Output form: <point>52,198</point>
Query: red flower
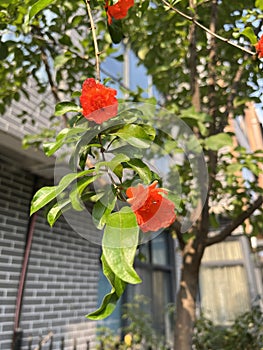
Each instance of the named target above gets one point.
<point>94,99</point>
<point>259,47</point>
<point>118,10</point>
<point>152,210</point>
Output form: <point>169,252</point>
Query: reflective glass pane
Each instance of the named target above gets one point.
<point>160,252</point>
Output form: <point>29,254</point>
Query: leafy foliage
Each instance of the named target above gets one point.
<point>246,333</point>
<point>203,81</point>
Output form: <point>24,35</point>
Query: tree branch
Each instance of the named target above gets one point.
<point>52,84</point>
<point>233,90</point>
<point>192,19</point>
<point>195,89</point>
<point>225,232</point>
<point>177,227</point>
<point>95,41</point>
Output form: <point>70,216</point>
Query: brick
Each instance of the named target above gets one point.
<point>60,263</point>
<point>7,327</point>
<point>5,345</point>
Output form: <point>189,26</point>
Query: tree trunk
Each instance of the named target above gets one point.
<point>186,297</point>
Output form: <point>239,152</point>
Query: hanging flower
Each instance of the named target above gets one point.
<point>119,10</point>
<point>152,210</point>
<point>98,102</point>
<point>259,47</point>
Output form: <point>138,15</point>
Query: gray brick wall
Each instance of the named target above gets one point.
<point>61,284</point>
<point>12,125</point>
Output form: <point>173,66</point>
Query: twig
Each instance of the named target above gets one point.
<point>193,20</point>
<point>235,223</point>
<point>95,41</point>
<point>53,86</point>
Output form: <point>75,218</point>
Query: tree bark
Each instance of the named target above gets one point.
<point>186,297</point>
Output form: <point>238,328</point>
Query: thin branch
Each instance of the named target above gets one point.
<point>177,227</point>
<point>192,19</point>
<point>233,90</point>
<point>225,232</point>
<point>95,41</point>
<point>195,88</point>
<point>52,84</point>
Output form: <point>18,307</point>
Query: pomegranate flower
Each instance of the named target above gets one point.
<point>94,99</point>
<point>152,210</point>
<point>259,47</point>
<point>119,10</point>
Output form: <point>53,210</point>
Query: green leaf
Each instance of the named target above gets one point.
<point>114,163</point>
<point>76,192</point>
<point>60,60</point>
<point>110,300</point>
<point>103,207</point>
<point>136,135</point>
<point>259,4</point>
<point>249,33</point>
<point>115,30</point>
<point>3,50</point>
<point>118,171</point>
<point>129,151</point>
<point>233,168</point>
<point>55,212</point>
<point>65,107</point>
<point>39,6</point>
<point>141,169</point>
<point>119,244</point>
<point>215,142</point>
<point>64,136</point>
<point>48,193</point>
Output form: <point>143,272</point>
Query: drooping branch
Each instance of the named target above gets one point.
<point>52,84</point>
<point>225,232</point>
<point>194,84</point>
<point>193,20</point>
<point>36,31</point>
<point>54,88</point>
<point>95,41</point>
<point>233,90</point>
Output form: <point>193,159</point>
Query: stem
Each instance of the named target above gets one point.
<point>192,19</point>
<point>195,90</point>
<point>225,232</point>
<point>95,41</point>
<point>37,33</point>
<point>104,159</point>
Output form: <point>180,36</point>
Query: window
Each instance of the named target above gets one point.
<point>224,281</point>
<point>155,265</point>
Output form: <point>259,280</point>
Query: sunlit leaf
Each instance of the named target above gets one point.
<point>110,300</point>
<point>218,141</point>
<point>48,193</point>
<point>141,169</point>
<point>103,207</point>
<point>55,212</point>
<point>63,137</point>
<point>65,107</point>
<point>249,33</point>
<point>120,242</point>
<point>76,192</point>
<point>136,135</point>
<point>39,6</point>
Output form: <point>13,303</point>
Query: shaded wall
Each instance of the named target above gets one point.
<point>61,282</point>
